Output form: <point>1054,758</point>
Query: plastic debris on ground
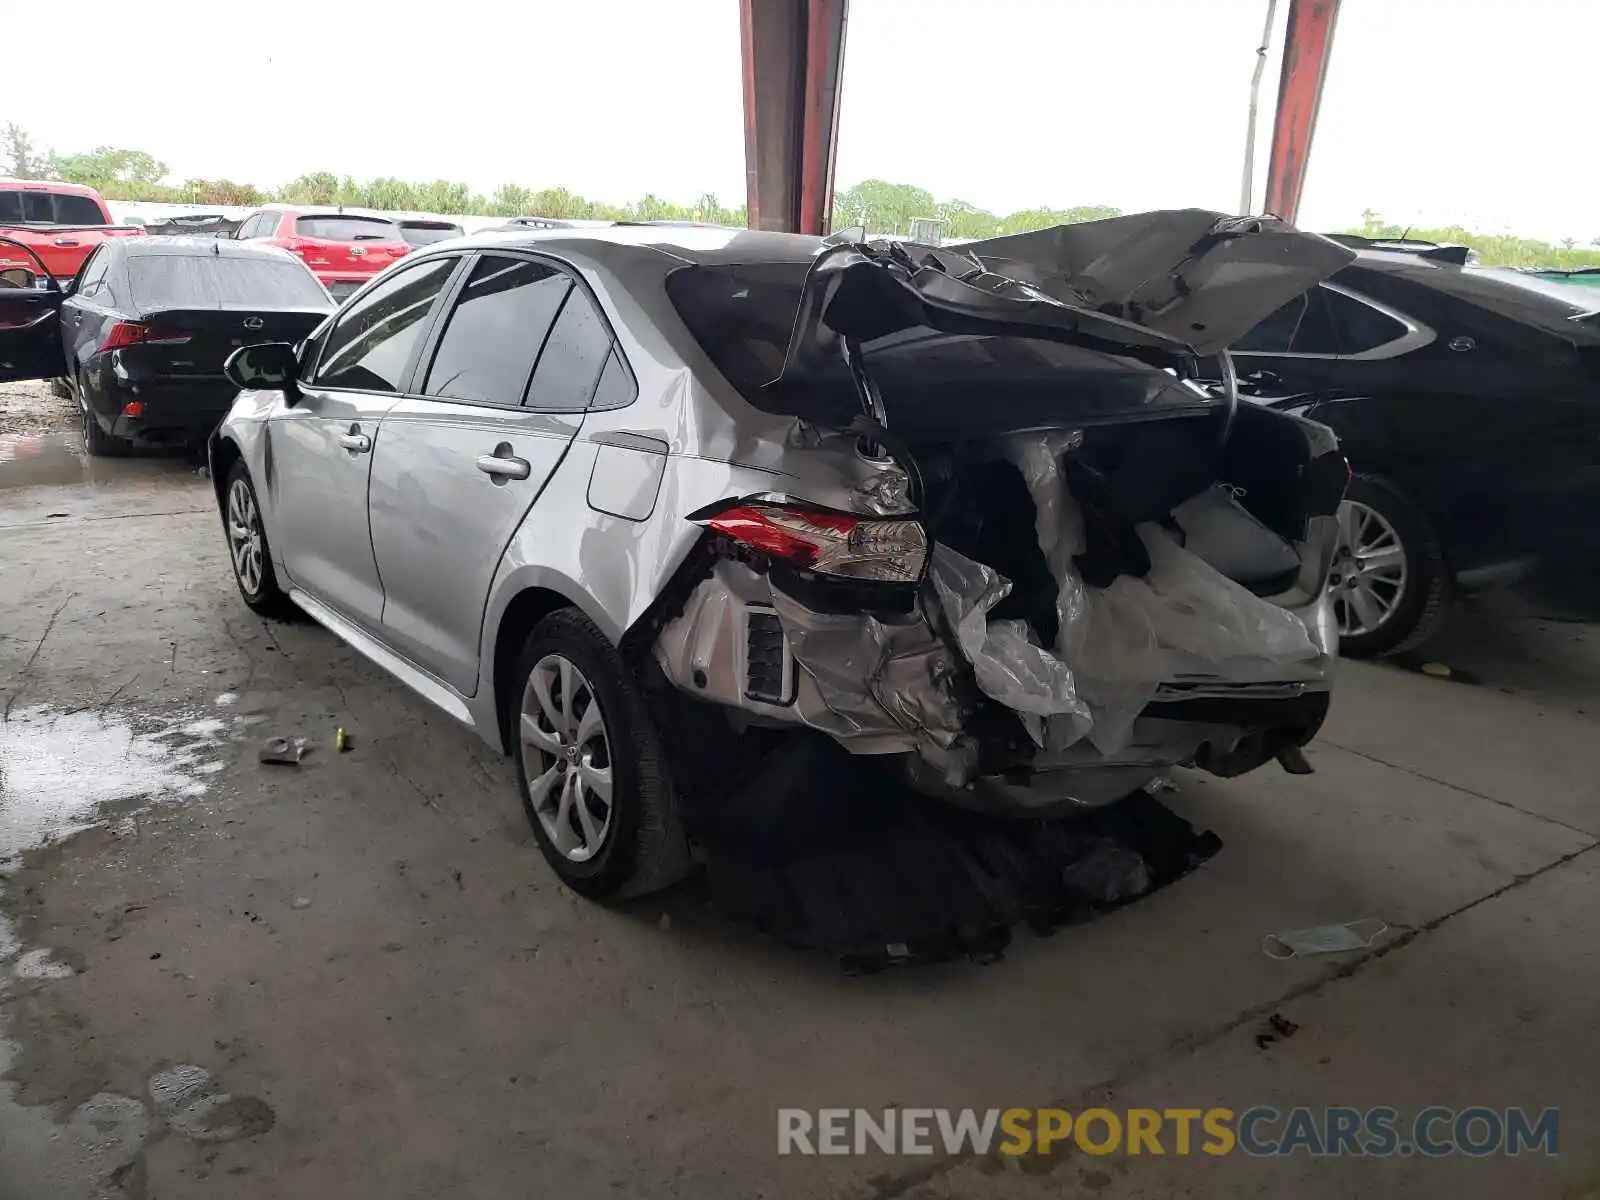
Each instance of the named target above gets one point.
<point>286,750</point>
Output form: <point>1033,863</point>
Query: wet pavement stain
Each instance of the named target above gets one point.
<point>58,768</point>
<point>193,1106</point>
<point>32,459</point>
<point>61,773</point>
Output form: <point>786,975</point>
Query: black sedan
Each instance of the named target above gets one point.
<point>141,332</point>
<point>1467,400</point>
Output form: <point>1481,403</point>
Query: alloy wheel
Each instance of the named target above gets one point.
<point>566,755</point>
<point>244,536</point>
<point>1368,578</point>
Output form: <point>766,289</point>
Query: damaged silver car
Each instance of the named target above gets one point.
<point>639,505</point>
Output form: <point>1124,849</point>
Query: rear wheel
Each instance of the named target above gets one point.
<point>591,767</point>
<point>95,439</point>
<point>1389,583</point>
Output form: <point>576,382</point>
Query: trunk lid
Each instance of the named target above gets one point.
<point>196,341</point>
<point>1080,323</point>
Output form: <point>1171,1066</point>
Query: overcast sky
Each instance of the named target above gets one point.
<point>1475,111</point>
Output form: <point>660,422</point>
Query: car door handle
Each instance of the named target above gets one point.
<point>504,467</point>
<point>360,443</point>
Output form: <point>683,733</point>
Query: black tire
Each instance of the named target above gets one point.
<point>96,440</point>
<point>642,847</point>
<point>1424,602</point>
<point>265,598</point>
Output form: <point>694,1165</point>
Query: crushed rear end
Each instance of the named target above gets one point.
<point>1026,550</point>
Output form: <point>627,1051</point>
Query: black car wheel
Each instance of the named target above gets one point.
<point>591,767</point>
<point>247,547</point>
<point>1389,583</point>
<point>96,440</point>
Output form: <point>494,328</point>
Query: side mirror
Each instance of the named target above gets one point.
<point>266,367</point>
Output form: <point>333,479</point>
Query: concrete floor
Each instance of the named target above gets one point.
<point>371,961</point>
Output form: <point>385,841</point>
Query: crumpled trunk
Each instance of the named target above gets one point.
<point>1075,575</point>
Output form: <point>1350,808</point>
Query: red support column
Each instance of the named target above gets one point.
<point>792,54</point>
<point>1306,48</point>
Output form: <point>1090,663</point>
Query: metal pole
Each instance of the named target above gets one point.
<point>1255,93</point>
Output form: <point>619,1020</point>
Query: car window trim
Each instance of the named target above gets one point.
<point>579,283</point>
<point>408,376</point>
<point>1416,335</point>
<point>436,332</point>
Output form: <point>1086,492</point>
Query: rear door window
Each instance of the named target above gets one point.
<point>372,344</point>
<point>94,274</point>
<point>1360,327</point>
<point>1302,326</point>
<point>78,210</point>
<point>344,228</point>
<point>495,331</point>
<point>208,280</point>
<point>574,353</point>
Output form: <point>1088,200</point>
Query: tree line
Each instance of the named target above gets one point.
<point>880,206</point>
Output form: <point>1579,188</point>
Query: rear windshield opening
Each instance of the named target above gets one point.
<point>48,208</point>
<point>209,281</point>
<point>741,315</point>
<point>342,228</point>
<point>933,384</point>
<point>425,233</point>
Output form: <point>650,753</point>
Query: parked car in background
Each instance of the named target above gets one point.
<point>344,250</point>
<point>419,232</point>
<point>642,506</point>
<point>62,223</point>
<point>512,224</point>
<point>193,225</point>
<point>1467,399</point>
<point>142,332</point>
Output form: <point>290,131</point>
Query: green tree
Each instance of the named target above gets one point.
<point>394,195</point>
<point>559,204</point>
<point>881,206</point>
<point>963,220</point>
<point>21,161</point>
<point>319,187</point>
<point>442,196</point>
<point>106,165</point>
<point>510,200</point>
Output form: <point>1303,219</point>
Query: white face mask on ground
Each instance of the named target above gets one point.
<point>1324,939</point>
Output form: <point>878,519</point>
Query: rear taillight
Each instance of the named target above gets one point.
<point>822,540</point>
<point>131,333</point>
<point>311,252</point>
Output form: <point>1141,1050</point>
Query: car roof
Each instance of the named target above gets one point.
<point>700,245</point>
<point>8,184</point>
<point>180,245</point>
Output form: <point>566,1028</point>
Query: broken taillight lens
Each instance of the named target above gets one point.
<point>830,543</point>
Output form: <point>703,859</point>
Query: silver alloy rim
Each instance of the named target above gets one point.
<point>1369,573</point>
<point>566,755</point>
<point>244,536</point>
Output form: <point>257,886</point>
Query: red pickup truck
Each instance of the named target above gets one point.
<point>62,223</point>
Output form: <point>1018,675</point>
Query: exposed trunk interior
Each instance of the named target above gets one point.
<point>1122,476</point>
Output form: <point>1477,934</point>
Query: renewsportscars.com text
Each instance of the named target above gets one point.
<point>1261,1131</point>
